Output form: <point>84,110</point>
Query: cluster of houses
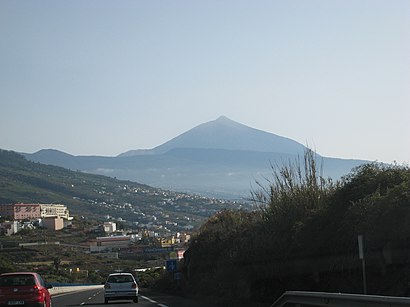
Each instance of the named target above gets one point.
<point>116,245</point>
<point>18,216</point>
<point>127,246</point>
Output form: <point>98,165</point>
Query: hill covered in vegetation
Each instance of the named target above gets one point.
<point>97,196</point>
<point>306,237</point>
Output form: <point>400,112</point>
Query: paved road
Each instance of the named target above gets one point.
<point>96,298</point>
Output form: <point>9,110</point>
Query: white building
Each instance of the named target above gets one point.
<point>51,210</point>
<point>10,228</point>
<point>110,227</point>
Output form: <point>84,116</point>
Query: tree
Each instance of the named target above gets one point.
<point>293,198</point>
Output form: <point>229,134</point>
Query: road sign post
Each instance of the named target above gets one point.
<point>361,256</point>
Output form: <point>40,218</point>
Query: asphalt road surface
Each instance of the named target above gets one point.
<point>147,299</point>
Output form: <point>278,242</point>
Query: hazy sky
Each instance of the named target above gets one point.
<point>103,77</point>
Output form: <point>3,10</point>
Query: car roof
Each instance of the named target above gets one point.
<point>18,273</point>
<point>114,274</point>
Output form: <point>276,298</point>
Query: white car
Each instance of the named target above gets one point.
<point>121,286</point>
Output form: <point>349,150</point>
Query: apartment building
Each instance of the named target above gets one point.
<point>26,212</point>
<point>52,210</point>
<point>51,216</point>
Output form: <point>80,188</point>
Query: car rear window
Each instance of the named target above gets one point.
<point>17,280</point>
<point>120,279</point>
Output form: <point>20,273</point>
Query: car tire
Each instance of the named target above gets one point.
<point>136,300</point>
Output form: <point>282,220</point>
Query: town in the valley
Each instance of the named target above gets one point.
<point>110,241</point>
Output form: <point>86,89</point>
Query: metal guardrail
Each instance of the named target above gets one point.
<point>302,299</point>
<point>64,289</point>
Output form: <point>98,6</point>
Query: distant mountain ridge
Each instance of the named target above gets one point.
<point>220,158</point>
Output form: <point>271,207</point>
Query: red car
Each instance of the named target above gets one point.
<point>24,289</point>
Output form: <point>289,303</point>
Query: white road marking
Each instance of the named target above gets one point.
<point>90,298</point>
<point>148,299</point>
<point>152,301</point>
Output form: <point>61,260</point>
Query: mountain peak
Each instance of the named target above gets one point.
<point>223,118</point>
<point>224,133</point>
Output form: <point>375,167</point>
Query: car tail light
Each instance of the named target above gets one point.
<point>38,290</point>
<point>107,286</point>
<point>39,293</point>
<point>134,285</point>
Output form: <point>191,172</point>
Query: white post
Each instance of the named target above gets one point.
<point>361,256</point>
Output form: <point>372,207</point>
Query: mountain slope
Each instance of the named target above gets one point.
<point>221,158</point>
<point>99,196</point>
<point>29,182</point>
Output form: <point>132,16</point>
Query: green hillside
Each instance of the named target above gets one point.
<point>98,196</point>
